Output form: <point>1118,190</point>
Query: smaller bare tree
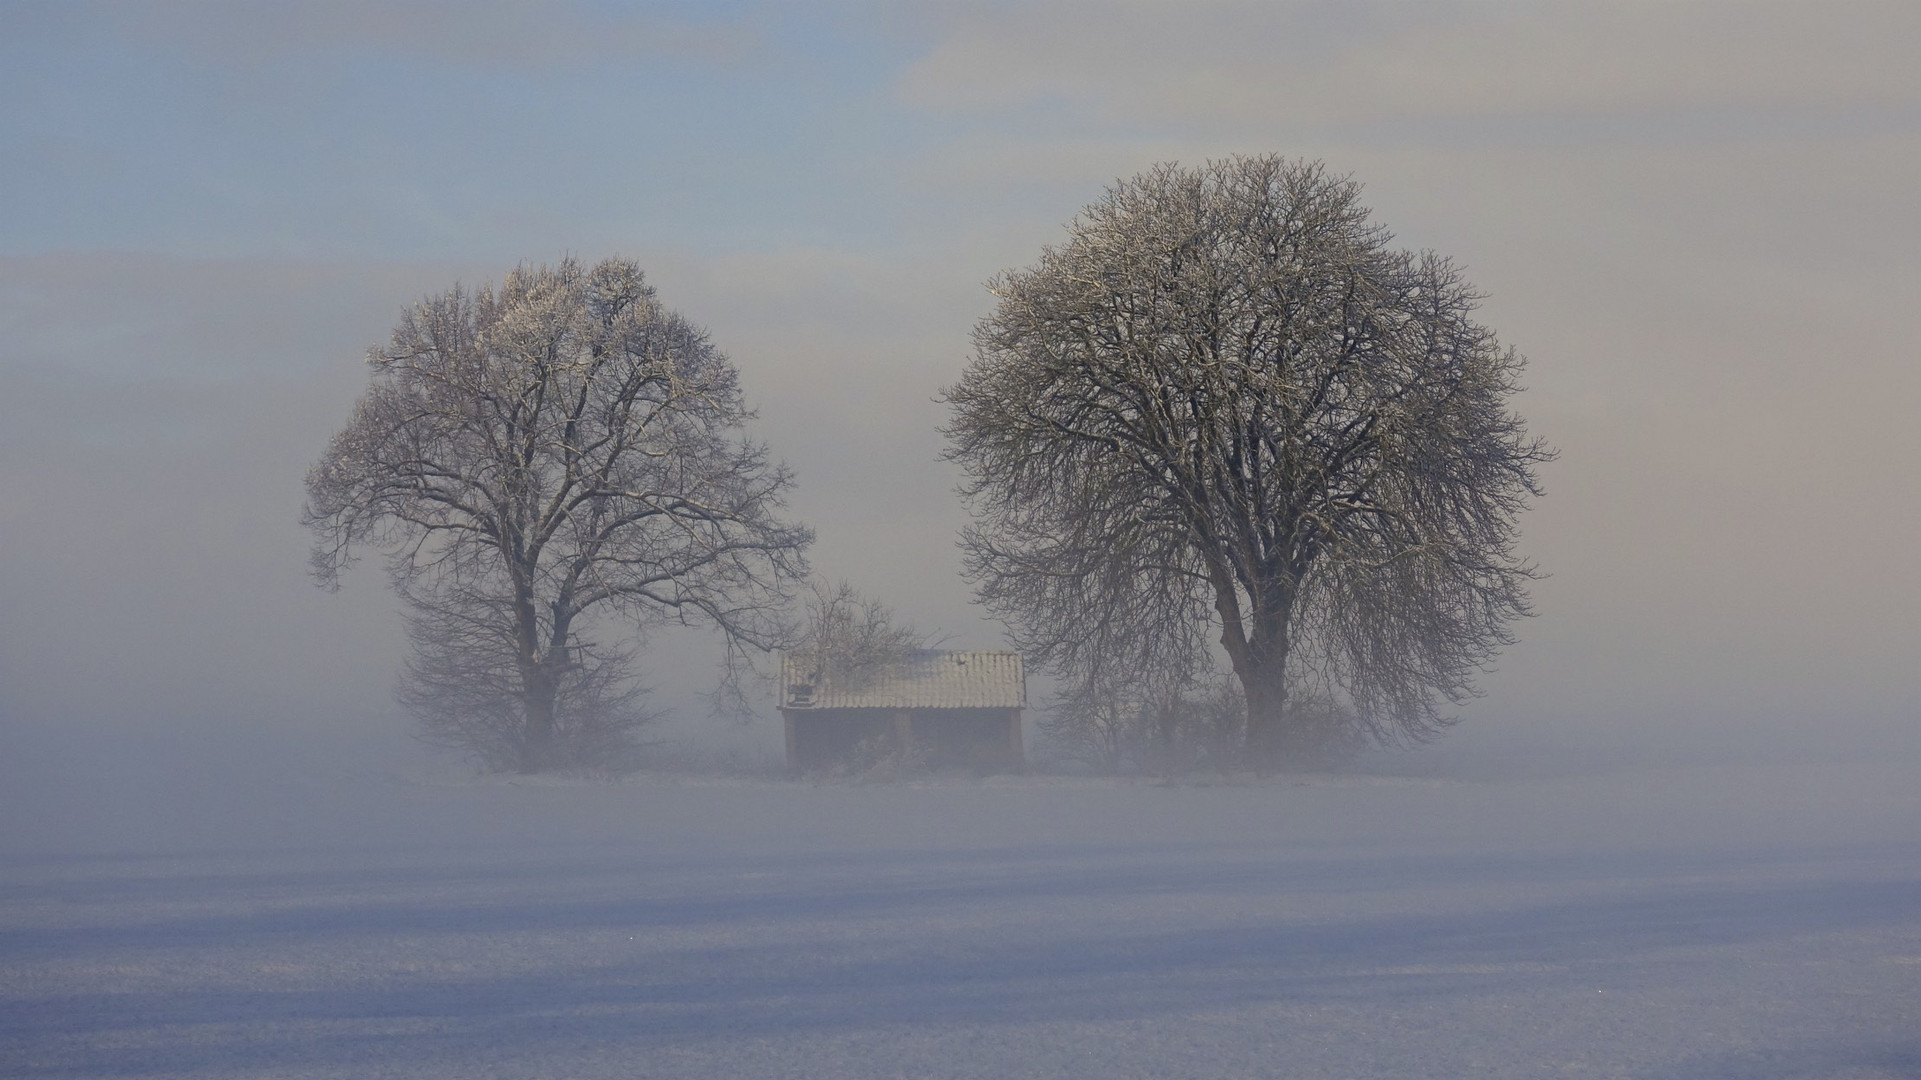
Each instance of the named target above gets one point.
<point>851,639</point>
<point>848,642</point>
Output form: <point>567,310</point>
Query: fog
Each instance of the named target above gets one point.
<point>1677,836</point>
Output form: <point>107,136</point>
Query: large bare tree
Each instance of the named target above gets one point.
<point>1227,401</point>
<point>549,467</point>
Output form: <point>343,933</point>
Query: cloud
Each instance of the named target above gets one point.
<point>1311,63</point>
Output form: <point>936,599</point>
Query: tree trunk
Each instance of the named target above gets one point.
<point>537,737</point>
<point>1260,663</point>
<point>537,690</point>
<point>1264,684</point>
<point>1166,716</point>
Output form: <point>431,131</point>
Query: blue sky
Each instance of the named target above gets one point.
<point>1696,218</point>
<point>352,131</point>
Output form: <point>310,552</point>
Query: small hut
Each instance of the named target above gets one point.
<point>940,710</point>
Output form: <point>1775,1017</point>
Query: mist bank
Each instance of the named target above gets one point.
<point>126,789</point>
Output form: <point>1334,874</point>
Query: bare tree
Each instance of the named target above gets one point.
<point>1225,401</point>
<point>543,466</point>
<point>848,639</point>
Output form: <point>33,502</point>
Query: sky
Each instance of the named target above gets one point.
<point>1696,219</point>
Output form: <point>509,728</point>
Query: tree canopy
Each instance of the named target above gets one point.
<point>1226,406</point>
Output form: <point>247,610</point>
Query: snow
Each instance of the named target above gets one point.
<point>1735,920</point>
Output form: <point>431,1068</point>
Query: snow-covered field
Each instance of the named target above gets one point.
<point>1752,921</point>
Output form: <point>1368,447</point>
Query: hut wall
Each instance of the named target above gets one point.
<point>975,740</point>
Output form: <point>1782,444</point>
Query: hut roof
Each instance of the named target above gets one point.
<point>928,679</point>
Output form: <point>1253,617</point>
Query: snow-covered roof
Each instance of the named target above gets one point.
<point>927,680</point>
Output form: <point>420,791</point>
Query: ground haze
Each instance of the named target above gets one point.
<point>1699,920</point>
